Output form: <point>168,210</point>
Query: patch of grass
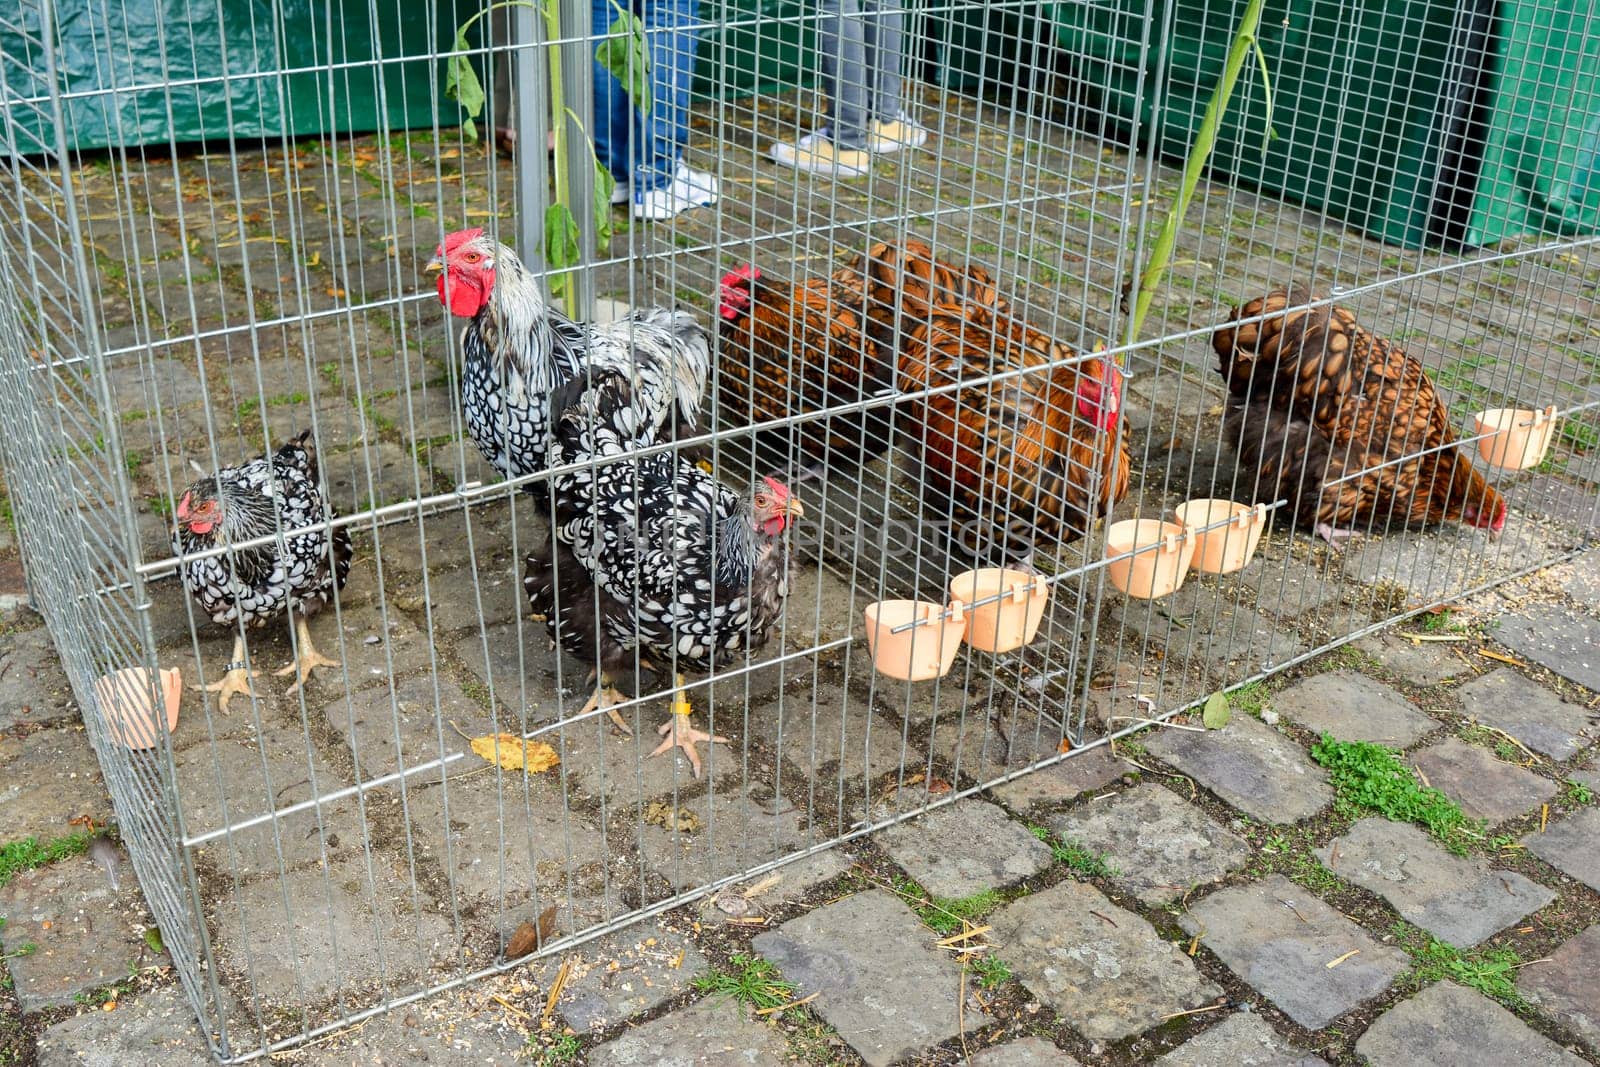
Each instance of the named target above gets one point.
<point>1251,698</point>
<point>1491,971</point>
<point>287,399</point>
<point>564,1049</point>
<point>329,372</point>
<point>1579,436</point>
<point>1439,622</point>
<point>990,971</point>
<point>1504,750</point>
<point>247,408</point>
<point>1370,778</point>
<point>1289,853</point>
<point>30,852</point>
<point>751,979</point>
<point>1078,859</point>
<point>946,915</point>
<point>1578,793</point>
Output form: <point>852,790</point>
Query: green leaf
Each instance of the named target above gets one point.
<point>1217,711</point>
<point>152,938</point>
<point>461,84</point>
<point>626,56</point>
<point>560,237</point>
<point>604,186</point>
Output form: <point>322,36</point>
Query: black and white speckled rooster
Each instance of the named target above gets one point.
<point>517,350</point>
<point>259,584</point>
<point>686,572</point>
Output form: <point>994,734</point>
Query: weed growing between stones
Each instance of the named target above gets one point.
<point>750,979</point>
<point>1369,778</point>
<point>1491,971</point>
<point>1077,858</point>
<point>30,852</point>
<point>990,971</point>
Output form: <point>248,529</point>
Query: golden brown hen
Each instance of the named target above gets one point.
<point>802,349</point>
<point>1029,460</point>
<point>1343,423</point>
<point>903,282</point>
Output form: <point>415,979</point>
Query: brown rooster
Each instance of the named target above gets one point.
<point>1343,423</point>
<point>904,282</point>
<point>1032,457</point>
<point>800,349</point>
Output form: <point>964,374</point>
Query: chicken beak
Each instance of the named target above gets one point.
<point>793,509</point>
<point>433,267</point>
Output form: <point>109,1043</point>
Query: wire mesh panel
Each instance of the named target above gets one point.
<point>928,345</point>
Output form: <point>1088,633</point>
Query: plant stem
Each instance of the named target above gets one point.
<point>558,112</point>
<point>1199,155</point>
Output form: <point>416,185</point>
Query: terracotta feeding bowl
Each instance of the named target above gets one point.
<point>1223,549</point>
<point>920,652</point>
<point>1518,437</point>
<point>1162,551</point>
<point>1001,625</point>
<point>129,700</point>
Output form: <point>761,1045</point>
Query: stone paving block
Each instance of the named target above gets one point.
<point>1431,565</point>
<point>1279,938</point>
<point>342,930</point>
<point>33,687</point>
<point>987,745</point>
<point>831,734</point>
<point>1527,711</point>
<point>1353,707</point>
<point>883,984</point>
<point>376,474</point>
<point>1580,578</point>
<point>387,730</point>
<point>1104,969</point>
<point>86,933</point>
<point>1243,1039</point>
<point>158,1027</point>
<point>146,385</point>
<point>1422,663</point>
<point>1023,1052</point>
<point>1456,898</point>
<point>603,762</point>
<point>429,1034</point>
<point>1208,623</point>
<point>239,778</point>
<point>1572,846</point>
<point>1564,640</point>
<point>522,669</point>
<point>503,843</point>
<point>794,881</point>
<point>714,1032</point>
<point>1251,766</point>
<point>454,606</point>
<point>923,702</point>
<point>627,973</point>
<point>962,848</point>
<point>1486,788</point>
<point>1094,769</point>
<point>1588,774</point>
<point>46,778</point>
<point>732,832</point>
<point>1159,844</point>
<point>1448,1024</point>
<point>1567,989</point>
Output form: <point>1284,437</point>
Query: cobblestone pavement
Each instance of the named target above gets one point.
<point>1184,898</point>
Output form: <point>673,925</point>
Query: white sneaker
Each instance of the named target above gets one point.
<point>816,153</point>
<point>893,136</point>
<point>621,193</point>
<point>689,189</point>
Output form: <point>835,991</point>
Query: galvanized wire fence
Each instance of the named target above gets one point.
<point>244,263</point>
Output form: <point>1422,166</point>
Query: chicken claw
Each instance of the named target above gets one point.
<point>679,732</point>
<point>605,695</point>
<point>307,658</point>
<point>1333,535</point>
<point>235,681</point>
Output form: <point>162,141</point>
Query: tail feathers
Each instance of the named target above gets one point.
<point>298,453</point>
<point>597,417</point>
<point>668,356</point>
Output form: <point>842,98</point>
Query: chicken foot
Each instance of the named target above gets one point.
<point>605,695</point>
<point>1333,534</point>
<point>236,680</point>
<point>306,657</point>
<point>679,732</point>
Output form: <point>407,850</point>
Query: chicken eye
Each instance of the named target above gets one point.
<point>472,257</point>
<point>762,500</point>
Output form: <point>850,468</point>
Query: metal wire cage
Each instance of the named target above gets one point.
<point>243,262</point>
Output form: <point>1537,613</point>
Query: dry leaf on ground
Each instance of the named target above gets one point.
<point>513,753</point>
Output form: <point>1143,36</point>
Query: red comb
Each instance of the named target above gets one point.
<point>779,490</point>
<point>734,297</point>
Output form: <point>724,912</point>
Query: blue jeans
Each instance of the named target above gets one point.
<point>646,149</point>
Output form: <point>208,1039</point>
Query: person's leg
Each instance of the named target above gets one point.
<point>663,184</point>
<point>839,147</point>
<point>890,127</point>
<point>613,114</point>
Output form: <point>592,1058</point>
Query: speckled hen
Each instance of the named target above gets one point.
<point>517,350</point>
<point>686,572</point>
<point>251,586</point>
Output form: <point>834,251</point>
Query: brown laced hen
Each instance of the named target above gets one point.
<point>1028,460</point>
<point>802,348</point>
<point>1343,423</point>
